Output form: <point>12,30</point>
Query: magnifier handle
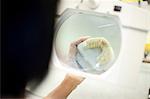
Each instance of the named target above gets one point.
<point>62,91</point>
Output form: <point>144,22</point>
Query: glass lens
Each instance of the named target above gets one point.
<point>87,42</point>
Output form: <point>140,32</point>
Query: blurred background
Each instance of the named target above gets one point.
<point>133,14</point>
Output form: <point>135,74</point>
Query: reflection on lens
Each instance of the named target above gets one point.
<point>94,55</point>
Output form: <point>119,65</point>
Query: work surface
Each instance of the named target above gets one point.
<point>97,88</point>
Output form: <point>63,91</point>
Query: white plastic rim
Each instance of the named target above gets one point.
<point>56,59</point>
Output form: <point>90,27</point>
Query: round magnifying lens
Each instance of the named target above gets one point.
<point>87,42</point>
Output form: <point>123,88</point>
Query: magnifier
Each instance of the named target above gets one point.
<point>95,38</point>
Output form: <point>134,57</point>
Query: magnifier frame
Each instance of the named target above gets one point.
<point>65,15</point>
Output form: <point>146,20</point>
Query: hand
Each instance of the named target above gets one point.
<point>73,46</point>
<point>62,91</point>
